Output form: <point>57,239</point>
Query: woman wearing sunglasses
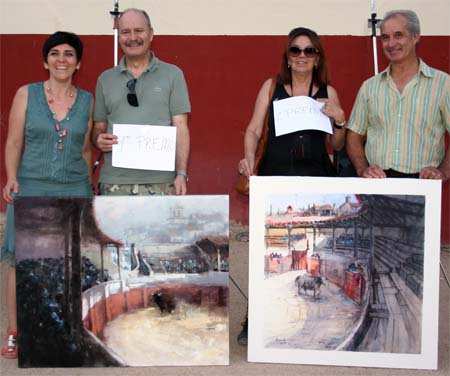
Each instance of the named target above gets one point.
<point>51,122</point>
<point>304,72</point>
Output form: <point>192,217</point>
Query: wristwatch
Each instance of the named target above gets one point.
<point>183,173</point>
<point>340,125</point>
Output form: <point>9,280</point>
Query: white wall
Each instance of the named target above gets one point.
<point>217,17</point>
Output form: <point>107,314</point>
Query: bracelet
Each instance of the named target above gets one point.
<point>183,173</point>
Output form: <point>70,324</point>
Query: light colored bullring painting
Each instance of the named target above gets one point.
<point>344,271</point>
<point>122,281</point>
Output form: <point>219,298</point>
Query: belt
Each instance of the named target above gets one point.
<point>397,174</point>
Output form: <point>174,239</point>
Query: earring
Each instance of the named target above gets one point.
<point>289,66</point>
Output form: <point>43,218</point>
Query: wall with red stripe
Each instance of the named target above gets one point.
<point>224,74</point>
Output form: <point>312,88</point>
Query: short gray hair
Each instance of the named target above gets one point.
<point>142,11</point>
<point>413,25</point>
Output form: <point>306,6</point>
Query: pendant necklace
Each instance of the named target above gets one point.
<point>52,101</point>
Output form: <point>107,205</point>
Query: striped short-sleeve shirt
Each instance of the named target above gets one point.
<point>405,131</point>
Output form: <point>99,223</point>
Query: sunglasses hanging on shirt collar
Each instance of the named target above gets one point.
<point>131,96</point>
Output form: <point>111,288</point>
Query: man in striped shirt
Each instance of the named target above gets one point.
<point>400,116</point>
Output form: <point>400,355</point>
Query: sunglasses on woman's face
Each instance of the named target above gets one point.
<point>131,96</point>
<point>295,51</point>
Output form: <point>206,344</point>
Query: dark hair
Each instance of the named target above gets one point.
<point>320,73</point>
<point>62,37</point>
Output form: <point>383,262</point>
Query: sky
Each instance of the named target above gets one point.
<point>302,200</point>
<point>116,214</point>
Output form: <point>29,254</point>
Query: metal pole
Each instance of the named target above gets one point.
<point>237,286</point>
<point>373,21</point>
<point>445,274</point>
<point>115,14</point>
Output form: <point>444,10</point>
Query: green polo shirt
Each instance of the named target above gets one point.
<point>405,131</point>
<point>162,93</point>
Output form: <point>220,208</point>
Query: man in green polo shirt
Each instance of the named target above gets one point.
<point>141,90</point>
<point>400,117</point>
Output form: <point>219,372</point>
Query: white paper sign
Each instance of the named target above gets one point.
<point>298,114</point>
<point>144,147</point>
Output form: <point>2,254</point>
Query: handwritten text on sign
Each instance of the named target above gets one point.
<point>299,113</point>
<point>144,147</point>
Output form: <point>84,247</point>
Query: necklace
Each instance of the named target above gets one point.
<point>65,101</point>
<point>61,134</point>
<point>52,97</point>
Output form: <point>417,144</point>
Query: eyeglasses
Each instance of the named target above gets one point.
<point>308,51</point>
<point>131,96</point>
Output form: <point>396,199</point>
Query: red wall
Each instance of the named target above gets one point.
<point>224,74</point>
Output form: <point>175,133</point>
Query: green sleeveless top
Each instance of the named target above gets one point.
<point>44,169</point>
<point>53,149</point>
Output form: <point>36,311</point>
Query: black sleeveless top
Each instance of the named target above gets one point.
<point>302,153</point>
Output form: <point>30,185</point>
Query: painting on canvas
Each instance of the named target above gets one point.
<point>122,281</point>
<point>344,265</point>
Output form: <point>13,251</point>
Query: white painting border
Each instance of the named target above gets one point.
<point>261,187</point>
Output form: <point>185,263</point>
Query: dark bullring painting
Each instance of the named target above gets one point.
<point>122,281</point>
